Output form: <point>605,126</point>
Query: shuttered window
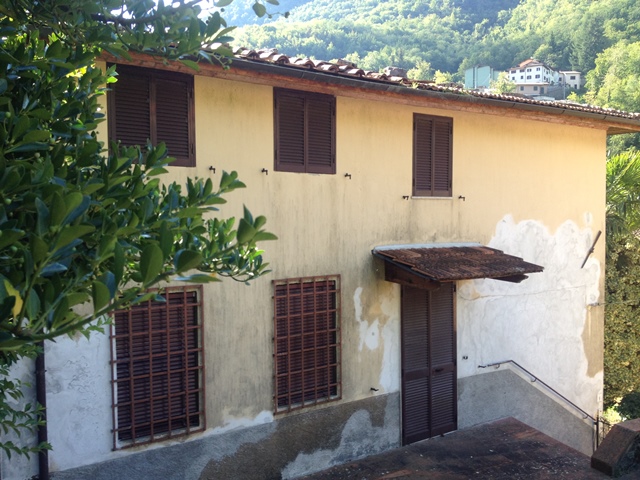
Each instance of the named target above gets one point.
<point>154,105</point>
<point>304,132</point>
<point>158,369</point>
<point>432,155</point>
<point>306,342</point>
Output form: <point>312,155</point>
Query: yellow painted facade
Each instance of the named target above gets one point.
<point>328,224</point>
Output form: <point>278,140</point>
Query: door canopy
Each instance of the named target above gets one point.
<point>426,266</point>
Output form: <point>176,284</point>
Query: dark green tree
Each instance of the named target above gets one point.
<point>622,320</point>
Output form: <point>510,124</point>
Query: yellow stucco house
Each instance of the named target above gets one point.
<point>426,235</point>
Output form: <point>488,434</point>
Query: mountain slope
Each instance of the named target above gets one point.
<point>449,35</point>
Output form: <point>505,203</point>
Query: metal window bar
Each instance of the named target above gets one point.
<point>156,348</point>
<point>307,342</point>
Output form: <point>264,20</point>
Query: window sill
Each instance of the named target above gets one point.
<point>413,197</point>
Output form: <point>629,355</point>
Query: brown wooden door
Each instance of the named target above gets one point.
<point>429,398</point>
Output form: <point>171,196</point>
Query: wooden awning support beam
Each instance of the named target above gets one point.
<point>395,274</point>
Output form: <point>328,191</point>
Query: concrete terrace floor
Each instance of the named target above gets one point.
<point>505,449</point>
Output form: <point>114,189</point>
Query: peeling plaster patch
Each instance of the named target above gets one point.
<point>359,439</point>
<point>231,424</point>
<point>390,371</point>
<point>369,334</point>
<point>540,322</point>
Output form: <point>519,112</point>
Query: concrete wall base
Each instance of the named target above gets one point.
<point>287,448</point>
<point>503,393</point>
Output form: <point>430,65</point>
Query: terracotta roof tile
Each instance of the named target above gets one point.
<point>445,263</point>
<point>344,68</point>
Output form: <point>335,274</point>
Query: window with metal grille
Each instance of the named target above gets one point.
<point>305,131</point>
<point>155,105</point>
<point>157,362</point>
<point>432,155</point>
<point>306,342</point>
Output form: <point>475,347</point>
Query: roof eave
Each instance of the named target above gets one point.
<point>623,125</point>
<point>258,71</point>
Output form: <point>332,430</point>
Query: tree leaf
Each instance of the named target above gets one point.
<point>42,224</point>
<point>151,262</point>
<point>39,248</point>
<point>186,260</point>
<point>259,9</point>
<point>70,233</point>
<point>100,295</point>
<point>263,236</point>
<point>12,292</point>
<point>245,231</point>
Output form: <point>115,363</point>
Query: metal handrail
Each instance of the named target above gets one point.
<point>536,379</point>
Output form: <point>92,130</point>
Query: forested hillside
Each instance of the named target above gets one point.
<point>451,35</point>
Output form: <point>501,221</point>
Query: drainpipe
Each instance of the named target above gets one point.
<point>41,398</point>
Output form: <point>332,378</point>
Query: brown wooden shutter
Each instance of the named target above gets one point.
<point>443,361</point>
<point>442,130</point>
<point>422,156</point>
<point>432,156</point>
<point>154,105</point>
<point>174,117</point>
<point>289,132</point>
<point>429,377</point>
<point>304,132</point>
<point>321,134</point>
<point>415,365</point>
<point>130,115</point>
<point>159,366</point>
<point>306,342</point>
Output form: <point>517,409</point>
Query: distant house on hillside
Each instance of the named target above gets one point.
<point>535,78</point>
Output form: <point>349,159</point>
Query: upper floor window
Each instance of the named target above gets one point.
<point>528,77</point>
<point>305,132</point>
<point>572,77</point>
<point>306,341</point>
<point>432,155</point>
<point>155,105</point>
<point>537,69</point>
<point>538,76</point>
<point>158,368</point>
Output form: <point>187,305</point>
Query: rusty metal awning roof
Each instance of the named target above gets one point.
<point>428,265</point>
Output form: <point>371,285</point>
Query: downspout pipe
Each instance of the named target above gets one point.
<point>41,398</point>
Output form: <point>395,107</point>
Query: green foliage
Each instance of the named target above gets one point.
<point>450,35</point>
<point>503,84</point>
<point>629,407</point>
<point>615,81</point>
<point>622,280</point>
<point>622,320</point>
<point>623,194</point>
<point>17,420</point>
<point>85,230</point>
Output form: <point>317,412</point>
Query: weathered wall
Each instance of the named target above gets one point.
<point>530,188</point>
<point>504,393</point>
<point>348,431</point>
